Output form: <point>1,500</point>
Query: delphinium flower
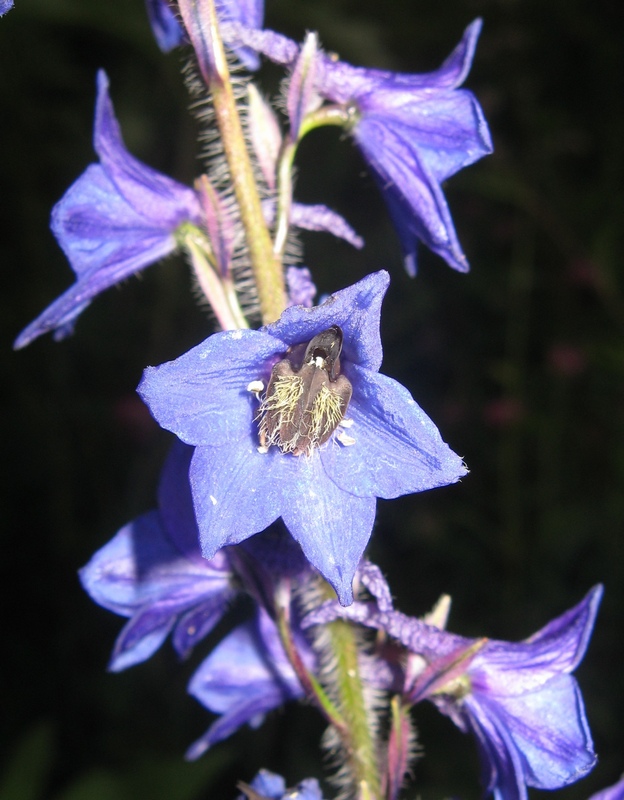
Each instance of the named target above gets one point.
<point>121,216</point>
<point>117,218</point>
<point>152,571</point>
<point>519,699</point>
<point>325,439</point>
<point>5,5</point>
<point>269,786</point>
<point>414,131</point>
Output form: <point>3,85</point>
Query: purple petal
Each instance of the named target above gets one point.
<point>165,26</point>
<point>202,396</point>
<point>117,218</point>
<point>397,450</point>
<point>321,218</point>
<point>512,668</point>
<point>356,309</point>
<point>615,792</point>
<point>239,681</point>
<point>175,501</point>
<point>236,491</point>
<point>140,574</point>
<point>414,197</point>
<point>332,526</point>
<point>161,201</point>
<point>301,289</point>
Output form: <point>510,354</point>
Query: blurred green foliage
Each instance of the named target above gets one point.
<point>521,363</point>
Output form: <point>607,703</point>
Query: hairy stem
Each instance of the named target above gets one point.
<point>200,18</point>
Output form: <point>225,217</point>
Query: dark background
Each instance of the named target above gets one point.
<point>520,363</point>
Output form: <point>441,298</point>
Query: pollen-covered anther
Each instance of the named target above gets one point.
<point>304,405</point>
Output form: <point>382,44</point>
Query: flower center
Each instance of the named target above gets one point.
<point>305,402</point>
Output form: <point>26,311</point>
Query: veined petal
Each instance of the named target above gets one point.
<point>152,195</point>
<point>447,128</point>
<point>117,218</point>
<point>356,309</point>
<point>512,668</point>
<point>139,640</point>
<point>397,450</point>
<point>239,681</point>
<point>142,575</point>
<point>333,527</point>
<point>414,197</point>
<point>202,396</point>
<point>236,492</point>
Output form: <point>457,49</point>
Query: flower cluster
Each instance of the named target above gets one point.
<point>287,433</point>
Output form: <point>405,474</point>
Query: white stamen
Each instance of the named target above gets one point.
<point>346,423</point>
<point>256,387</point>
<point>345,439</point>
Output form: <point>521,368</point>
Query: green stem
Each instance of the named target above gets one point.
<point>328,115</point>
<point>266,267</point>
<point>359,742</point>
<point>311,686</point>
<point>284,197</point>
<point>218,291</point>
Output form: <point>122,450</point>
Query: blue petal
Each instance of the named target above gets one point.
<point>356,309</point>
<point>140,574</point>
<point>175,501</point>
<point>269,784</point>
<point>447,129</point>
<point>240,682</point>
<point>539,739</point>
<point>139,640</point>
<point>165,26</point>
<point>236,491</point>
<point>415,200</point>
<point>117,218</point>
<point>332,526</point>
<point>343,83</point>
<point>512,668</point>
<point>397,450</point>
<point>550,730</point>
<point>162,202</point>
<point>202,396</point>
<point>5,5</point>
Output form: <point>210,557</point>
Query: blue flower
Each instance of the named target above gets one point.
<point>152,571</point>
<point>326,496</point>
<point>246,676</point>
<point>414,131</point>
<point>269,786</point>
<point>518,699</point>
<point>5,5</point>
<point>117,218</point>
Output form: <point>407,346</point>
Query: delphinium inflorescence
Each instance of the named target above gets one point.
<point>288,433</point>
